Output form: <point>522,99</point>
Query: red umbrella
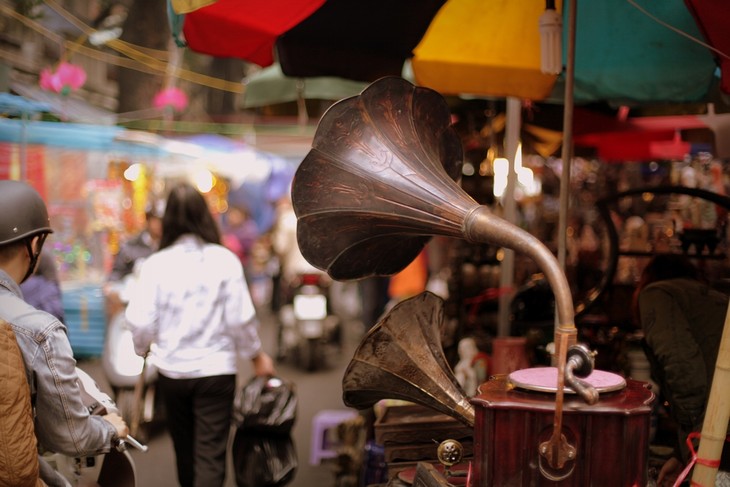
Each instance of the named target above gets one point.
<point>245,29</point>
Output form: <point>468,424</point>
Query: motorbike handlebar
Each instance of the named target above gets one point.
<point>129,440</point>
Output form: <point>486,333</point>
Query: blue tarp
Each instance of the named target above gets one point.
<point>73,135</point>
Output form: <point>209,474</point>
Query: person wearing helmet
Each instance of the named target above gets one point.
<point>63,424</point>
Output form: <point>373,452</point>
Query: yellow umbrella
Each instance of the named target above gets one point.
<point>484,48</point>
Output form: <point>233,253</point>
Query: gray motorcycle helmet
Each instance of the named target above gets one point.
<point>23,212</point>
<point>23,215</point>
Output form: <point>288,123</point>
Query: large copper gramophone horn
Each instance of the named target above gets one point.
<point>378,182</point>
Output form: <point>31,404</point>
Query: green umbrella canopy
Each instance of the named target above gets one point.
<point>270,86</point>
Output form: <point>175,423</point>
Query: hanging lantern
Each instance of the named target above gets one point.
<point>172,97</point>
<point>67,78</point>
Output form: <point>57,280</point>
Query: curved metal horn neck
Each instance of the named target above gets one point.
<point>482,226</point>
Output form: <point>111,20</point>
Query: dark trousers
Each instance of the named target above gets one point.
<point>199,420</point>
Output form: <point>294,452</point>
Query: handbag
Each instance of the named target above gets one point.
<point>266,405</point>
<point>263,460</point>
<point>263,452</point>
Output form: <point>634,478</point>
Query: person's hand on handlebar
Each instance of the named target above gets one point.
<point>119,424</point>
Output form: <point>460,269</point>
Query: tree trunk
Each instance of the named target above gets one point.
<point>222,104</point>
<point>146,27</point>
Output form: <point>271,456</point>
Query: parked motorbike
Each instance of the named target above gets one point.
<point>130,376</point>
<point>113,469</point>
<point>309,329</point>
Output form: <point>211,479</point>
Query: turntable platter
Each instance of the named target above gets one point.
<point>545,379</point>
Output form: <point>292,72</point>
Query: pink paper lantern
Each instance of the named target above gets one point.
<point>174,98</point>
<point>67,78</point>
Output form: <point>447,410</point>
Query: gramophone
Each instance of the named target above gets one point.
<point>378,183</point>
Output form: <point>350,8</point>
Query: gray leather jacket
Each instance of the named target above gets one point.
<point>63,424</point>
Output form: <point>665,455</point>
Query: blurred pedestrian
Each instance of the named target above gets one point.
<point>240,233</point>
<point>374,297</point>
<point>42,289</point>
<point>284,243</point>
<point>192,310</point>
<point>131,253</point>
<point>682,319</point>
<point>142,244</point>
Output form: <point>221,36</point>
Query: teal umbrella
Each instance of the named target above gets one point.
<point>628,53</point>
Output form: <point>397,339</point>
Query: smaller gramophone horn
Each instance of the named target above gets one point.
<point>402,358</point>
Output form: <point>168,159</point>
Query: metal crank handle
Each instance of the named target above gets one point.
<point>139,446</point>
<point>580,364</point>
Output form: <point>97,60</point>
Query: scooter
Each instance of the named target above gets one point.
<point>130,376</point>
<point>113,469</point>
<point>308,328</point>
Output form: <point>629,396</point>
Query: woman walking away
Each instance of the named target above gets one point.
<point>192,310</point>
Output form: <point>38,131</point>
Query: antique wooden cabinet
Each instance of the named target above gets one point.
<point>611,437</point>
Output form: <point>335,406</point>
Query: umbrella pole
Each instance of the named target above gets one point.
<point>302,115</point>
<point>567,156</point>
<point>507,267</point>
<point>714,427</point>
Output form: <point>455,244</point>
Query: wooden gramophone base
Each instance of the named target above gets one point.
<point>611,438</point>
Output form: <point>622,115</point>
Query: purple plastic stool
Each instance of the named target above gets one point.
<point>323,446</point>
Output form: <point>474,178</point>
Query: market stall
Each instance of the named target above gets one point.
<point>99,179</point>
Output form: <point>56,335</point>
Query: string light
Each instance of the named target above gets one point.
<point>137,60</point>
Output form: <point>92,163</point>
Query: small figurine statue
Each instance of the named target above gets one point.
<point>465,373</point>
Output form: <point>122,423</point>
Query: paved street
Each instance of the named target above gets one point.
<point>316,391</point>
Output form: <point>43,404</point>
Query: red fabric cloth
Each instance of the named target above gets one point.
<point>245,29</point>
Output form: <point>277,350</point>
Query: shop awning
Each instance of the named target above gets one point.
<point>18,106</point>
<point>642,138</point>
<point>75,136</point>
<point>68,108</point>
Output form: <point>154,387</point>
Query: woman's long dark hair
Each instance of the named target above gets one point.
<point>186,211</point>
